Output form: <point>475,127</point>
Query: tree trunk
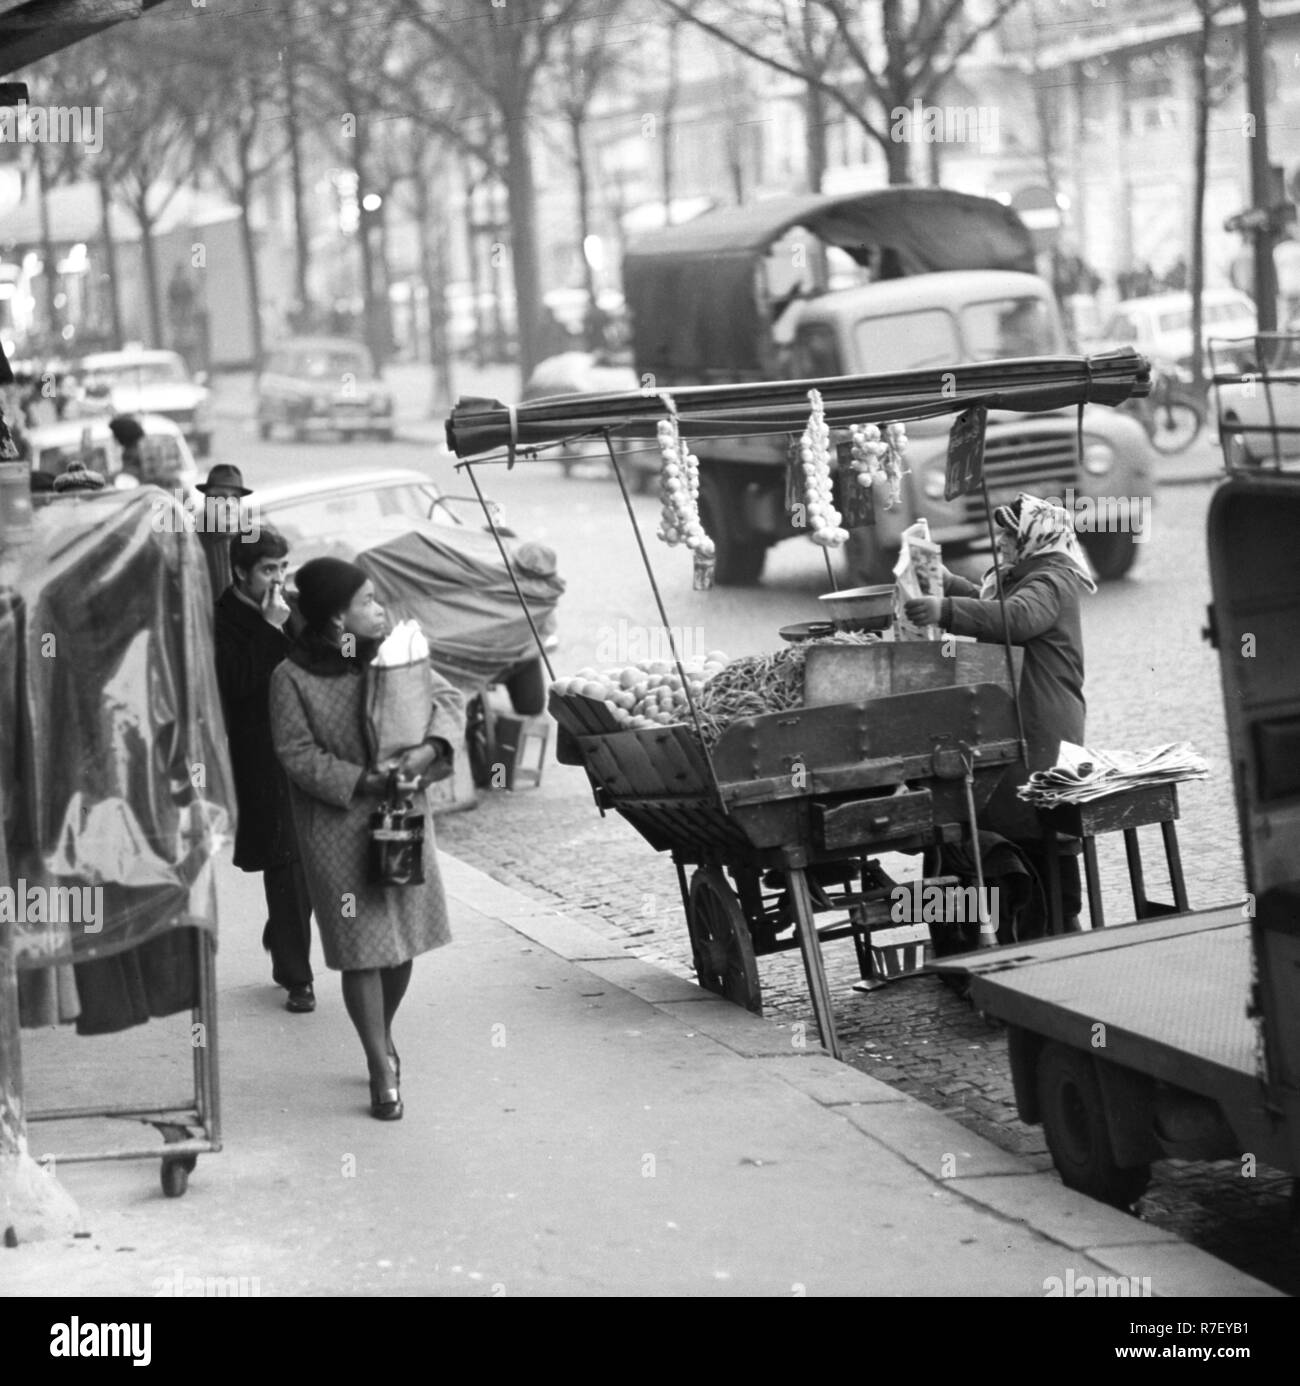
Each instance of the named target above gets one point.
<point>250,263</point>
<point>1196,259</point>
<point>898,161</point>
<point>814,118</point>
<point>149,265</point>
<point>670,110</point>
<point>50,273</point>
<point>594,338</point>
<point>522,201</point>
<point>110,258</point>
<point>301,233</point>
<point>373,327</point>
<point>433,270</point>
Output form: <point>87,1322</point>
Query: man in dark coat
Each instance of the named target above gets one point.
<point>223,493</point>
<point>250,642</point>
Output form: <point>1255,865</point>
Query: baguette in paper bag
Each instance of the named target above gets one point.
<point>399,694</point>
<point>918,573</point>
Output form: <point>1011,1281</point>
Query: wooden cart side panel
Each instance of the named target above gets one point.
<point>820,738</point>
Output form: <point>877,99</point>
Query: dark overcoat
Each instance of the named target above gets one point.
<point>1042,605</point>
<point>248,648</point>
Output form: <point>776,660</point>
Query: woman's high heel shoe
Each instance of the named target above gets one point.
<point>386,1104</point>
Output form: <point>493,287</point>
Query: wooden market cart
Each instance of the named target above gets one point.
<point>781,819</point>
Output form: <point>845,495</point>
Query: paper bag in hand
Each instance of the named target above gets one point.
<point>399,695</point>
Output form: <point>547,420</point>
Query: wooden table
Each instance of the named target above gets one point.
<point>1124,812</point>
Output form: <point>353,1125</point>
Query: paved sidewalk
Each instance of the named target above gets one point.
<point>578,1122</point>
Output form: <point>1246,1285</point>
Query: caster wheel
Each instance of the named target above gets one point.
<point>176,1176</point>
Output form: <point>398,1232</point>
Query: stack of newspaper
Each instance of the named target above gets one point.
<point>1080,775</point>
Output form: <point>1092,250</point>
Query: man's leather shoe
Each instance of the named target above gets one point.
<point>301,999</point>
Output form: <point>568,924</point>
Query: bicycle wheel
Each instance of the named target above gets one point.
<point>1176,424</point>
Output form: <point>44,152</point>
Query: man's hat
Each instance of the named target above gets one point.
<point>228,476</point>
<point>76,476</point>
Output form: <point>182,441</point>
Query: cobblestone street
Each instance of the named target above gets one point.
<point>1150,679</point>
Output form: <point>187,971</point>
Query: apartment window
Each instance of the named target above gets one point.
<point>1149,101</point>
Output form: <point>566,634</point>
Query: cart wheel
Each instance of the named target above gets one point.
<point>176,1176</point>
<point>1074,1121</point>
<point>724,955</point>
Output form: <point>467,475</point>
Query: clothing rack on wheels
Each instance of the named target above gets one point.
<point>117,794</point>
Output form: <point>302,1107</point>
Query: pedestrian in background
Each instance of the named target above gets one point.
<point>250,642</point>
<point>127,430</point>
<point>221,521</point>
<point>369,932</point>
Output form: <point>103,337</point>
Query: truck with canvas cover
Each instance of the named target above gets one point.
<point>815,286</point>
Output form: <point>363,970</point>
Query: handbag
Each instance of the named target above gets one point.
<point>396,840</point>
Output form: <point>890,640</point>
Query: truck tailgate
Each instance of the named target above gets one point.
<point>1166,997</point>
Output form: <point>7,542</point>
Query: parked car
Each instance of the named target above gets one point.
<point>583,373</point>
<point>433,560</point>
<point>135,381</point>
<point>1160,325</point>
<point>1258,411</point>
<point>165,454</point>
<point>323,384</point>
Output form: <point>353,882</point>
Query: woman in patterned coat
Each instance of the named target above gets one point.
<point>370,933</point>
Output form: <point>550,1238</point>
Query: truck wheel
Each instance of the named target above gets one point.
<point>1074,1121</point>
<point>739,553</point>
<point>526,684</point>
<point>1111,554</point>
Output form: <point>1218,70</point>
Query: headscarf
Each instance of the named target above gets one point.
<point>1039,528</point>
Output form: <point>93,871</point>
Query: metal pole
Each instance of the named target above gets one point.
<point>1261,195</point>
<point>1006,632</point>
<point>13,1131</point>
<point>659,601</point>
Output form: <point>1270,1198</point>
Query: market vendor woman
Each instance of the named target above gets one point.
<point>369,932</point>
<point>1044,576</point>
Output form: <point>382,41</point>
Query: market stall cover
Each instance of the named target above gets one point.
<point>112,742</point>
<point>453,582</point>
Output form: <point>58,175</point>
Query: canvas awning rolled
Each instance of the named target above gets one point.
<point>1031,385</point>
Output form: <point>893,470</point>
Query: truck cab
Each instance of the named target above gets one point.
<point>898,279</point>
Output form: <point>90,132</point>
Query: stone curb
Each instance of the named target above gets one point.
<point>954,1159</point>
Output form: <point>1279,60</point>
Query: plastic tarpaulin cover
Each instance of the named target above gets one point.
<point>118,790</point>
<point>458,590</point>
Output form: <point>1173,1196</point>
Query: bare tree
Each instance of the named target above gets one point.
<point>293,42</point>
<point>150,132</point>
<point>828,46</point>
<point>1213,80</point>
<point>502,50</point>
<point>591,54</point>
<point>241,133</point>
